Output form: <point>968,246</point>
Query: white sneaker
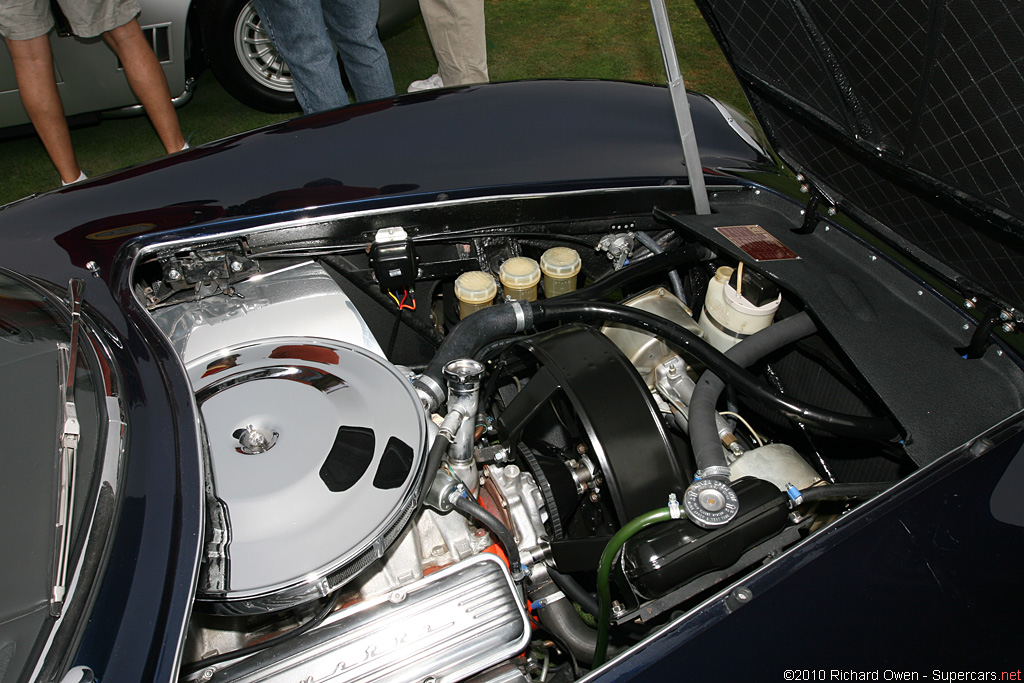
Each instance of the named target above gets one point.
<point>80,178</point>
<point>427,84</point>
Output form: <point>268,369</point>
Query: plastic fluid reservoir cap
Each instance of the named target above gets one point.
<point>560,262</point>
<point>519,272</point>
<point>475,287</point>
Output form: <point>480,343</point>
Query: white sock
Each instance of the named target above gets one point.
<point>79,179</point>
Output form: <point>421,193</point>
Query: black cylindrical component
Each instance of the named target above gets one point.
<point>843,491</point>
<point>727,369</point>
<point>663,557</point>
<point>575,591</point>
<point>560,618</point>
<point>433,464</point>
<point>468,336</point>
<point>473,509</point>
<point>707,445</point>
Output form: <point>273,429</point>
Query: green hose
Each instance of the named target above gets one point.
<point>604,572</point>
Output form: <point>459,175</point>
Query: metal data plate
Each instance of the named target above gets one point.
<point>442,628</point>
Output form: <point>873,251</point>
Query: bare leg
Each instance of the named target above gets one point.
<point>147,80</point>
<point>33,69</point>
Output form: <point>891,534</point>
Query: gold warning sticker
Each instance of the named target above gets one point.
<point>757,243</point>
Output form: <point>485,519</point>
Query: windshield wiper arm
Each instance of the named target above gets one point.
<point>67,449</point>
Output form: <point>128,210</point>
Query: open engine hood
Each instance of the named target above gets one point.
<point>909,115</point>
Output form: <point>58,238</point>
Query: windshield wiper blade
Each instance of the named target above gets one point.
<point>67,450</point>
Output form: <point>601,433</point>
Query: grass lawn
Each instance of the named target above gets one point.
<point>612,39</point>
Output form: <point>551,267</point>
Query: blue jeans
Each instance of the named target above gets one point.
<point>302,30</point>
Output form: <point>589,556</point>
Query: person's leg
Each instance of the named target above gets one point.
<point>33,69</point>
<point>457,34</point>
<point>147,81</point>
<point>297,29</point>
<point>353,26</point>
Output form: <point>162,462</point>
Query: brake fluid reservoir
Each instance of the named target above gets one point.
<point>734,309</point>
<point>519,276</point>
<point>474,290</point>
<point>560,266</point>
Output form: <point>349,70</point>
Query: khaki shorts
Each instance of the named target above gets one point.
<point>27,19</point>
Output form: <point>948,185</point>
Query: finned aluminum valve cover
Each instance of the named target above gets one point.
<point>316,450</point>
<point>442,628</point>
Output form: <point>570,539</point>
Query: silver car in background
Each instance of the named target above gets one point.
<point>186,35</point>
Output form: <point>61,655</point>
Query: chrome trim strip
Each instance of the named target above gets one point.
<point>145,251</point>
<point>318,379</point>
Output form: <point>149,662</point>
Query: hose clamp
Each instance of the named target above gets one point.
<point>433,392</point>
<point>517,308</point>
<point>713,472</point>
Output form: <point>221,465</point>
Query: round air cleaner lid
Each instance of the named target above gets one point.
<point>315,451</point>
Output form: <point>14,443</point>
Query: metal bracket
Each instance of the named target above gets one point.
<point>810,215</point>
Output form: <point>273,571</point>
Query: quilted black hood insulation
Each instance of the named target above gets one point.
<point>908,114</point>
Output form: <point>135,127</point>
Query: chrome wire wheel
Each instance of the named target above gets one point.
<point>257,53</point>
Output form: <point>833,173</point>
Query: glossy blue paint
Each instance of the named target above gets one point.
<point>507,138</point>
<point>579,135</point>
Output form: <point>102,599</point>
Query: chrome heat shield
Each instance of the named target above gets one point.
<point>442,628</point>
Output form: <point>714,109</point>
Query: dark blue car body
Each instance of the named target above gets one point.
<point>921,578</point>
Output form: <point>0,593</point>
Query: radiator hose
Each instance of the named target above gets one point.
<point>707,445</point>
<point>496,322</point>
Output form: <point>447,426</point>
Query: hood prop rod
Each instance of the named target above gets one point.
<point>677,90</point>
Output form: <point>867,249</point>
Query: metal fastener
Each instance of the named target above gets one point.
<point>173,274</point>
<point>236,266</point>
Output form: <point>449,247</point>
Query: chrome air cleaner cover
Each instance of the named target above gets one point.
<point>315,452</point>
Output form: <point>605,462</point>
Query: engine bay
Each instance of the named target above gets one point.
<point>509,439</point>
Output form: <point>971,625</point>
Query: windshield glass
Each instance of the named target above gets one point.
<point>34,327</point>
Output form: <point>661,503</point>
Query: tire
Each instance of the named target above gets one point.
<point>244,59</point>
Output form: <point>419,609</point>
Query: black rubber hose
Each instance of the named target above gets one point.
<point>495,322</point>
<point>707,446</point>
<point>469,335</point>
<point>560,618</point>
<point>843,491</point>
<point>575,592</point>
<point>433,464</point>
<point>654,265</point>
<point>470,507</point>
<point>842,424</point>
